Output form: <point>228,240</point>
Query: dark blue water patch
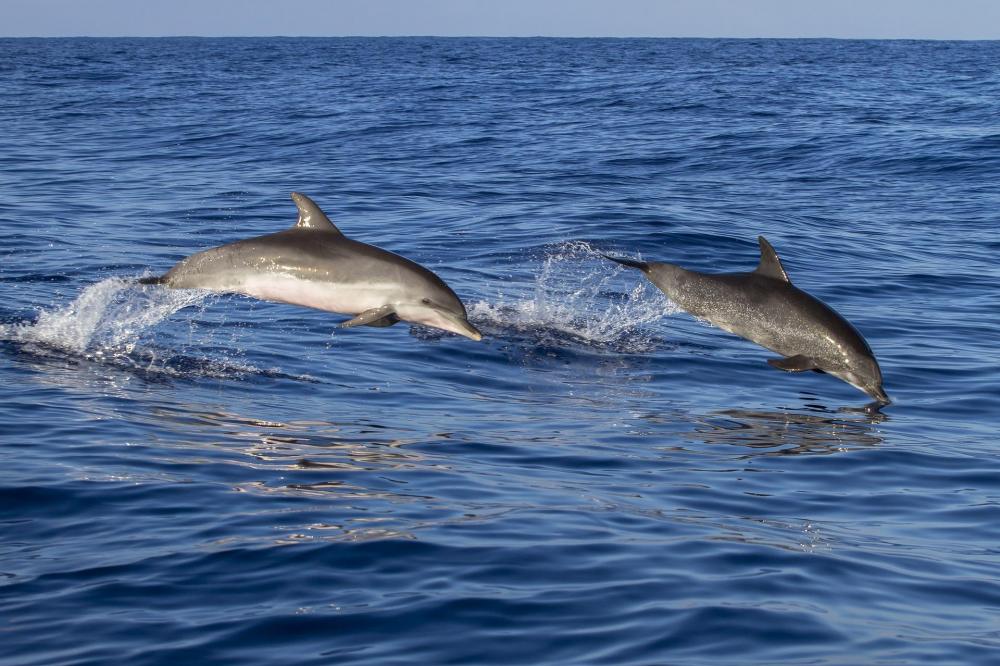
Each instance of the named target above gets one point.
<point>35,278</point>
<point>603,479</point>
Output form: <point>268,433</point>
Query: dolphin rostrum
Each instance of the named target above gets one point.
<point>315,265</point>
<point>765,307</point>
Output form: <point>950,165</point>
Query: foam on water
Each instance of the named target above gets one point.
<point>577,300</point>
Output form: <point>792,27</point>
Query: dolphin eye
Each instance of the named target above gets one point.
<point>425,301</point>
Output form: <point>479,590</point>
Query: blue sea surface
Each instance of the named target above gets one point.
<point>188,478</point>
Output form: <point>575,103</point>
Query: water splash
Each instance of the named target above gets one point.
<point>577,300</point>
<point>107,319</point>
<point>107,324</point>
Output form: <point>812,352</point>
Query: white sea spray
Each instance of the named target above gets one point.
<point>579,297</point>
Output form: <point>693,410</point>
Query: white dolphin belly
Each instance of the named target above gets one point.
<point>329,296</point>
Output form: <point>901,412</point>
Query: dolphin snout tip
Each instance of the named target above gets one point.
<point>473,333</point>
<point>881,396</point>
<point>456,323</point>
<point>460,324</point>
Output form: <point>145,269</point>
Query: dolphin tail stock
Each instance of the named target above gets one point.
<point>156,279</point>
<point>631,263</point>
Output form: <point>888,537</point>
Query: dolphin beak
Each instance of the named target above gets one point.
<point>447,320</point>
<point>463,327</point>
<point>435,316</point>
<point>880,395</point>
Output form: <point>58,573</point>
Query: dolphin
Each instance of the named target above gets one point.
<point>766,308</point>
<point>315,265</point>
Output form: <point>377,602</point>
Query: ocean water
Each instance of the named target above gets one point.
<point>192,478</point>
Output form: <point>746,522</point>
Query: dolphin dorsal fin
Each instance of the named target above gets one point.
<point>310,215</point>
<point>770,265</point>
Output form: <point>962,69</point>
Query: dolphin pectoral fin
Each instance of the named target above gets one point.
<point>382,316</point>
<point>387,320</point>
<point>797,363</point>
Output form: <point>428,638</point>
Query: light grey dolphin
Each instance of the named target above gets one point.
<point>765,307</point>
<point>315,265</point>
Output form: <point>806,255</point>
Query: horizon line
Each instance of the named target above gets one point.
<point>619,37</point>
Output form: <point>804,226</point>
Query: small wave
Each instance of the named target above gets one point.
<point>575,303</point>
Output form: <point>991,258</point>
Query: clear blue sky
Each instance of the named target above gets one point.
<point>921,19</point>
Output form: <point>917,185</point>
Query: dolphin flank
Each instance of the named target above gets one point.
<point>315,265</point>
<point>766,308</point>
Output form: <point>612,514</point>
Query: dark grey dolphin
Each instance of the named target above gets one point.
<point>313,264</point>
<point>766,308</point>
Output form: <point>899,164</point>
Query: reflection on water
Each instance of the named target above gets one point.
<point>788,433</point>
<point>358,470</point>
<point>296,445</point>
